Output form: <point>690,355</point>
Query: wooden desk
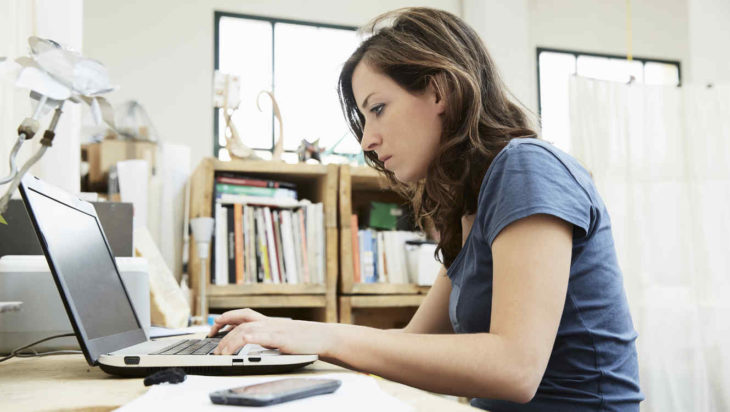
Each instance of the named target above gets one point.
<point>66,382</point>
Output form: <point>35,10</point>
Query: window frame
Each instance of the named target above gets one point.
<point>577,54</point>
<point>217,15</point>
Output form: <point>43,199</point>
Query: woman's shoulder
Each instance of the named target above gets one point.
<point>538,157</point>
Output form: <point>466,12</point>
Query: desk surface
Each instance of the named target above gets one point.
<point>66,382</point>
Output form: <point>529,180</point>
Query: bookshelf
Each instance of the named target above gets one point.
<point>318,183</point>
<point>369,303</point>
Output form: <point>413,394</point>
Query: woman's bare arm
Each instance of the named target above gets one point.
<point>531,268</point>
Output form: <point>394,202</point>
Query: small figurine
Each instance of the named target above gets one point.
<point>308,151</point>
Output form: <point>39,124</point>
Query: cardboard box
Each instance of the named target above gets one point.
<point>102,155</point>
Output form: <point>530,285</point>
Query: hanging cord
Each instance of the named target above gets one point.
<point>17,352</point>
<point>13,154</point>
<point>46,142</point>
<point>26,131</point>
<point>629,55</point>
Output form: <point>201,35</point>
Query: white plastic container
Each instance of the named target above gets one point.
<point>29,280</point>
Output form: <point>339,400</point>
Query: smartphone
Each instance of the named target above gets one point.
<point>273,392</point>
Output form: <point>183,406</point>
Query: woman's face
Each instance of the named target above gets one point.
<point>402,128</point>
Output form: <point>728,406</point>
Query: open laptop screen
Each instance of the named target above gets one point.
<point>76,248</point>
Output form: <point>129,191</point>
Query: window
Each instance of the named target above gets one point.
<point>555,67</point>
<point>300,63</point>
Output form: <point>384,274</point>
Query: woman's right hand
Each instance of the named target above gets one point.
<point>234,318</point>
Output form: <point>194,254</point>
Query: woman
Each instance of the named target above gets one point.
<point>529,311</point>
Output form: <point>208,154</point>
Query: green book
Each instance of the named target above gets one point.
<point>251,190</point>
<point>384,215</point>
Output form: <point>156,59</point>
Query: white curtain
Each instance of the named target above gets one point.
<point>660,157</point>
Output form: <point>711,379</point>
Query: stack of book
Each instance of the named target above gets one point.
<point>380,256</point>
<point>264,234</point>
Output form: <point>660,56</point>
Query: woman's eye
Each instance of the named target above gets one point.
<point>377,109</point>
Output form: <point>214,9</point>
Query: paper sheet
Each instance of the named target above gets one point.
<point>357,393</point>
<point>133,181</point>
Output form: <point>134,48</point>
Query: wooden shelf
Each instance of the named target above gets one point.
<point>265,289</point>
<point>268,301</point>
<point>318,183</point>
<point>358,186</point>
<point>350,304</point>
<point>388,289</point>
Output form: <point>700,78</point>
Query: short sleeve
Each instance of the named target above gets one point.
<point>528,179</point>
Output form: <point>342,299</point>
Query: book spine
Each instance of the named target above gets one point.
<point>297,245</point>
<point>245,230</point>
<point>312,244</point>
<point>220,262</point>
<point>382,275</point>
<point>247,181</point>
<point>281,202</point>
<point>252,268</point>
<point>303,241</point>
<point>289,249</point>
<point>238,239</point>
<point>265,276</point>
<point>271,246</point>
<point>279,249</point>
<point>255,191</point>
<point>321,252</point>
<point>231,247</point>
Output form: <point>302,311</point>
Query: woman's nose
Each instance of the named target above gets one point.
<point>370,140</point>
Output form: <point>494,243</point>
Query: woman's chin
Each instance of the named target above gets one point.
<point>404,177</point>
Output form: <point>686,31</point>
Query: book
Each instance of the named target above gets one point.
<point>238,241</point>
<point>250,240</point>
<point>227,198</point>
<point>236,179</point>
<point>287,241</point>
<point>382,274</point>
<point>231,246</point>
<point>279,249</point>
<point>261,234</point>
<point>219,264</point>
<point>271,246</point>
<point>297,236</point>
<point>303,241</point>
<point>321,252</point>
<point>276,193</point>
<point>311,243</point>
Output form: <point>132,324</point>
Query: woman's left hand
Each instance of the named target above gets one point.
<point>289,336</point>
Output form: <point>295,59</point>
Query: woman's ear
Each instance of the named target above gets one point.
<point>438,95</point>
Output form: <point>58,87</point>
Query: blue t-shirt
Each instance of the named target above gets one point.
<point>593,365</point>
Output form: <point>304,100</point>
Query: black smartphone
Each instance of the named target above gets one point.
<point>273,392</point>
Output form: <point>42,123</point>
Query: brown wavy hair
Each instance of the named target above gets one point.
<point>421,46</point>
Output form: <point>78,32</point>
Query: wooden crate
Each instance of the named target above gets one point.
<point>358,186</point>
<point>317,183</point>
<point>105,154</point>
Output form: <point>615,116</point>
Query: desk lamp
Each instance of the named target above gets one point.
<point>53,74</point>
<point>202,231</point>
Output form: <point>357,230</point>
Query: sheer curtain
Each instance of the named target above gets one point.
<point>660,157</point>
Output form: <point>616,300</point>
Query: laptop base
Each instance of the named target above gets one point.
<point>132,372</point>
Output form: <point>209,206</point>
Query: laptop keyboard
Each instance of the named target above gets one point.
<point>191,347</point>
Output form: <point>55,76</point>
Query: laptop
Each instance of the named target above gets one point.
<point>98,305</point>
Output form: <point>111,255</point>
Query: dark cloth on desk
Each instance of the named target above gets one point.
<point>593,365</point>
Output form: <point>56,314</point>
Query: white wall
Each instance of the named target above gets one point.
<point>504,27</point>
<point>513,30</point>
<point>709,41</point>
<point>161,52</point>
